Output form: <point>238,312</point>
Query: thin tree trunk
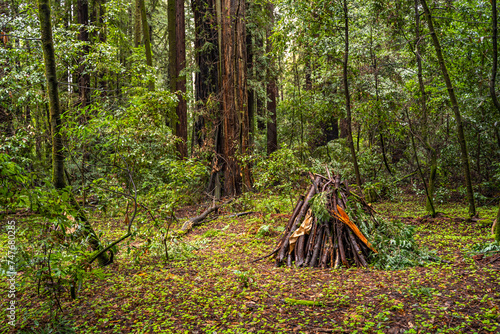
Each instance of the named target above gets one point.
<point>52,89</point>
<point>147,40</point>
<point>172,52</point>
<point>137,23</point>
<point>497,226</point>
<point>55,122</point>
<point>348,96</point>
<point>423,101</point>
<point>180,39</point>
<point>456,111</point>
<point>83,36</point>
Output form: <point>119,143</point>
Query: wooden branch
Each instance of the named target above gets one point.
<point>196,221</point>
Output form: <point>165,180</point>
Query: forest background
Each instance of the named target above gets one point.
<point>141,108</point>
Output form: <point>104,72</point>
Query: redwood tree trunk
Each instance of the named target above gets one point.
<point>206,79</point>
<point>272,92</point>
<point>234,95</point>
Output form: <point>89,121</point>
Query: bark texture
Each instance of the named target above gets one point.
<point>147,39</point>
<point>234,95</point>
<point>54,106</point>
<point>83,36</point>
<point>180,38</point>
<point>55,122</point>
<point>272,91</point>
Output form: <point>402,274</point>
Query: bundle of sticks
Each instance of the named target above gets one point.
<point>325,242</point>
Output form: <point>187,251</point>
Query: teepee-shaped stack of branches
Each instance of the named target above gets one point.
<point>326,240</point>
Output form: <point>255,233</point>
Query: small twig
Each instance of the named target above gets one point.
<point>265,256</point>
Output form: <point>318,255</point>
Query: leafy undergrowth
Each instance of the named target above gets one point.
<point>214,288</point>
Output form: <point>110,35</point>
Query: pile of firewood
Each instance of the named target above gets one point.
<point>329,240</point>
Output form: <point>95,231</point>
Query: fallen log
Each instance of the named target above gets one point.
<point>188,225</point>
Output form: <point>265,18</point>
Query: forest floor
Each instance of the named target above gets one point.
<point>211,286</point>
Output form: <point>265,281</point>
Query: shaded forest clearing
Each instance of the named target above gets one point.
<point>211,286</point>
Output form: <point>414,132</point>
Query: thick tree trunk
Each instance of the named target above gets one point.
<point>456,110</point>
<point>251,90</point>
<point>348,96</point>
<point>177,62</point>
<point>207,57</point>
<point>495,54</point>
<point>234,95</point>
<point>272,92</point>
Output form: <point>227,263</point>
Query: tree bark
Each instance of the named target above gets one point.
<point>272,92</point>
<point>429,205</point>
<point>456,110</point>
<point>83,36</point>
<point>147,40</point>
<point>172,53</point>
<point>234,95</point>
<point>137,23</point>
<point>52,89</point>
<point>55,122</point>
<point>180,38</point>
<point>348,96</point>
<point>207,58</point>
<point>495,54</point>
<point>497,226</point>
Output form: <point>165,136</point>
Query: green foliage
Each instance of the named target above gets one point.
<point>281,171</point>
<point>264,231</point>
<point>319,208</point>
<point>394,241</point>
<point>417,291</point>
<point>12,182</point>
<point>485,248</point>
<point>245,278</point>
<point>397,247</point>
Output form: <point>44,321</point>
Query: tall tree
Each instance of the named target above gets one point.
<point>272,90</point>
<point>207,127</point>
<point>147,39</point>
<point>493,91</point>
<point>207,56</point>
<point>456,110</point>
<point>53,93</point>
<point>423,102</point>
<point>345,64</point>
<point>56,125</point>
<point>83,36</point>
<point>234,95</point>
<point>177,63</point>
